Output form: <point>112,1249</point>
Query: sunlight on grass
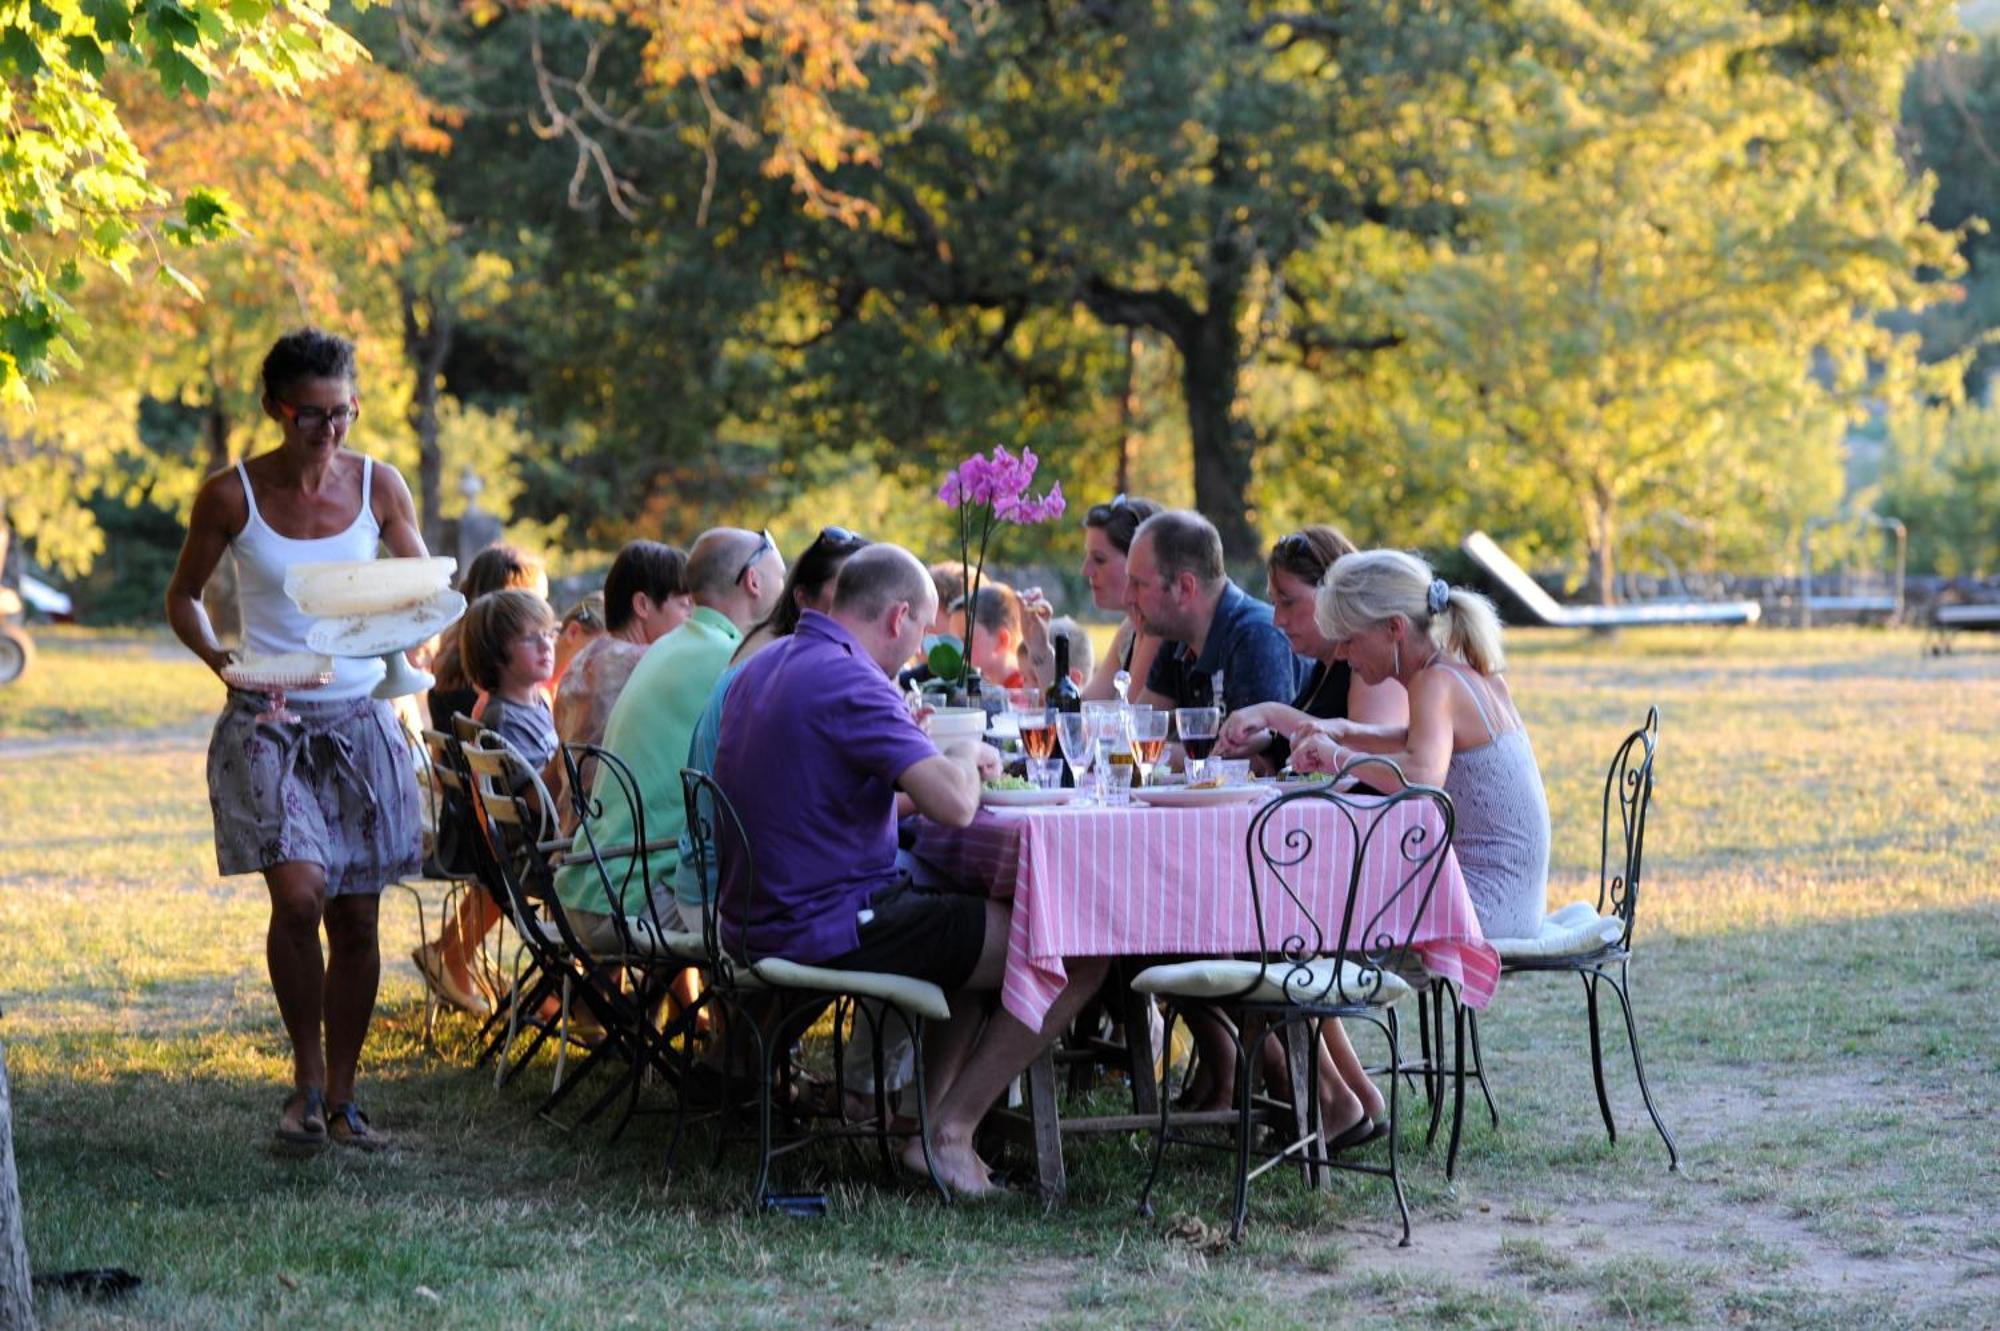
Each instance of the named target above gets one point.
<point>1819,922</point>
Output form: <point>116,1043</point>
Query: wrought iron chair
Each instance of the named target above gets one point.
<point>1306,970</point>
<point>1595,942</point>
<point>452,859</point>
<point>515,811</point>
<point>648,954</point>
<point>770,1002</point>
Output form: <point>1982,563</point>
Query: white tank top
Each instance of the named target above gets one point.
<point>272,624</point>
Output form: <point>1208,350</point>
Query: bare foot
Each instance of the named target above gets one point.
<point>959,1167</point>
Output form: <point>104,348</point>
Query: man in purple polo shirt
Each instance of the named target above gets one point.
<point>816,744</point>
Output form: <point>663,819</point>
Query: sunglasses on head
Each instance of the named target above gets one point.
<point>764,542</point>
<point>841,536</point>
<point>1100,514</point>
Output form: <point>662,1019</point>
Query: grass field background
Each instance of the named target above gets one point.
<point>1819,935</point>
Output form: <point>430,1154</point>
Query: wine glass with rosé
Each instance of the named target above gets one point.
<point>1148,728</point>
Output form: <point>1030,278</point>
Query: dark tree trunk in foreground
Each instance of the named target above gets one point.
<point>17,1302</point>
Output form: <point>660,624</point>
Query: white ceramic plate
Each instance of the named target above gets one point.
<point>290,670</point>
<point>1025,799</point>
<point>1181,797</point>
<point>391,631</point>
<point>354,588</point>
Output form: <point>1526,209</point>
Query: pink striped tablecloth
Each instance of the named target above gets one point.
<point>1174,882</point>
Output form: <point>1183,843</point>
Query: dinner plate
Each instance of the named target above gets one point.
<point>1184,797</point>
<point>392,631</point>
<point>1025,799</point>
<point>289,670</point>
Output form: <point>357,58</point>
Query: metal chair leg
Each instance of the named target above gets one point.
<point>1479,1066</point>
<point>1160,1135</point>
<point>1395,1126</point>
<point>1590,982</point>
<point>1639,1067</point>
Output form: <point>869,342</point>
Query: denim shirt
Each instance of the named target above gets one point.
<point>1256,659</point>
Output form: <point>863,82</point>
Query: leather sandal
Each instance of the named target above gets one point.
<point>310,1102</point>
<point>349,1127</point>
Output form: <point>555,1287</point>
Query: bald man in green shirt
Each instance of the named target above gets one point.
<point>735,577</point>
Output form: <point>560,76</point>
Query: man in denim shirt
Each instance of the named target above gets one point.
<point>1175,587</point>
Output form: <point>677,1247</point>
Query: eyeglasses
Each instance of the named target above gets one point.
<point>312,419</point>
<point>841,536</point>
<point>764,542</point>
<point>1299,554</point>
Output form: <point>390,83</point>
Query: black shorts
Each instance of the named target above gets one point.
<point>926,935</point>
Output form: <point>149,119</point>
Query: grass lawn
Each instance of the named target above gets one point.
<point>1820,929</point>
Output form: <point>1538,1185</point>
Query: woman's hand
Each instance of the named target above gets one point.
<point>1319,753</point>
<point>1245,732</point>
<point>1340,730</point>
<point>1038,653</point>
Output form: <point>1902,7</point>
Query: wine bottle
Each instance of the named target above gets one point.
<point>1063,695</point>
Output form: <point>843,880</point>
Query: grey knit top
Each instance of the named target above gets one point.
<point>1502,835</point>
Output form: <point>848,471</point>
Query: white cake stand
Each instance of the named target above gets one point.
<point>388,634</point>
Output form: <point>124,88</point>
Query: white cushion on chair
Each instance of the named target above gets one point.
<point>1577,930</point>
<point>922,997</point>
<point>1267,983</point>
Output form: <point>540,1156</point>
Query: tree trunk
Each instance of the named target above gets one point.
<point>17,1301</point>
<point>1601,520</point>
<point>1210,366</point>
<point>1128,414</point>
<point>427,333</point>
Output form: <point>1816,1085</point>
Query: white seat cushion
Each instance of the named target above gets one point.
<point>1275,982</point>
<point>1577,930</point>
<point>918,996</point>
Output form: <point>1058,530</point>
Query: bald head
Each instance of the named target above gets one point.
<point>886,599</point>
<point>879,577</point>
<point>717,558</point>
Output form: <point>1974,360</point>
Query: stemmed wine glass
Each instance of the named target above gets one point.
<point>1148,729</point>
<point>1197,727</point>
<point>1076,733</point>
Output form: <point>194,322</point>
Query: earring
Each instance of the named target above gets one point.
<point>1396,659</point>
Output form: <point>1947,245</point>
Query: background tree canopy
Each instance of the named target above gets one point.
<point>1565,271</point>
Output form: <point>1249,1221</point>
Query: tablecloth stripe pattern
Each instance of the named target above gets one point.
<point>1163,882</point>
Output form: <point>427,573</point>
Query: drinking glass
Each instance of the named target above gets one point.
<point>1035,719</point>
<point>1045,773</point>
<point>1149,739</point>
<point>1079,745</point>
<point>1197,727</point>
<point>1117,778</point>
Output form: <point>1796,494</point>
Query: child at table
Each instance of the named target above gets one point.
<point>509,641</point>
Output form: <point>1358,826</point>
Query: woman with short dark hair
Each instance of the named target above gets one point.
<point>324,806</point>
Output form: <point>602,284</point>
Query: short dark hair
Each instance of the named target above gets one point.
<point>948,576</point>
<point>1119,519</point>
<point>492,624</point>
<point>878,577</point>
<point>1309,552</point>
<point>306,353</point>
<point>653,567</point>
<point>998,607</point>
<point>1184,542</point>
<point>498,567</point>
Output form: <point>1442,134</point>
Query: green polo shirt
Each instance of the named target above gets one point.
<point>650,726</point>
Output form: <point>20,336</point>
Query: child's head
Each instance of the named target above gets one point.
<point>1082,656</point>
<point>509,640</point>
<point>584,621</point>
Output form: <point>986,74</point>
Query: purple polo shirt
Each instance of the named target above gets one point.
<point>814,739</point>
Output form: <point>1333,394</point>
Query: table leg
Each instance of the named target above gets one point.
<point>1138,1019</point>
<point>1046,1124</point>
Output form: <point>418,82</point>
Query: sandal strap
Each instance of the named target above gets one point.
<point>350,1113</point>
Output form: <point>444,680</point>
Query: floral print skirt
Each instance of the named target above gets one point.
<point>338,790</point>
